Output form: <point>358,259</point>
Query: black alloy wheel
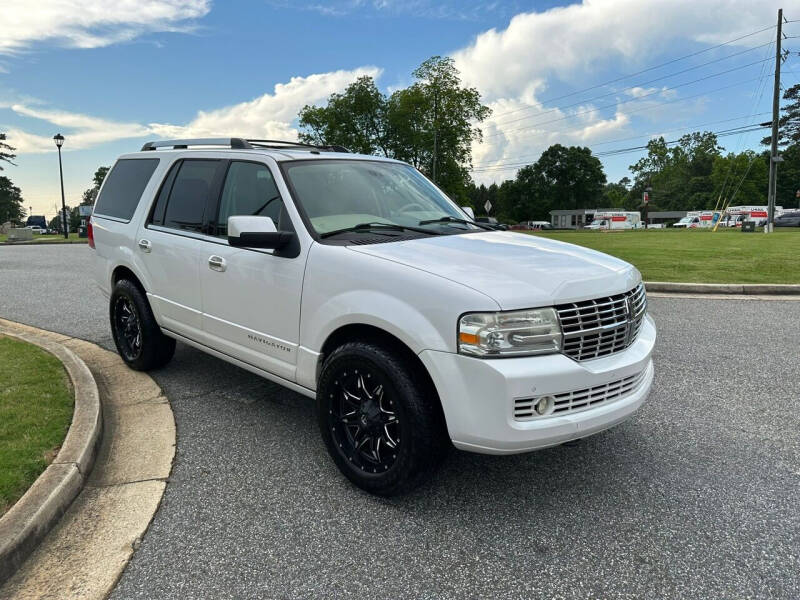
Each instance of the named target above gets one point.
<point>365,425</point>
<point>128,328</point>
<point>137,335</point>
<point>380,417</point>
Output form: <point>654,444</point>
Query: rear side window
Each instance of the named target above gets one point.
<point>190,194</point>
<point>124,186</point>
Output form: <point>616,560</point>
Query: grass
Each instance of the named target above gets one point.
<point>49,239</point>
<point>699,256</point>
<point>36,402</point>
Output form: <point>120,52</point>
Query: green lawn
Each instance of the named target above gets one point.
<point>724,256</point>
<point>49,239</point>
<point>36,402</point>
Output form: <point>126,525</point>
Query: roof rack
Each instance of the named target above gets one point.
<point>239,144</point>
<point>285,144</point>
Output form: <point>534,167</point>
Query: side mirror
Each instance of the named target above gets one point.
<point>469,211</point>
<point>256,232</point>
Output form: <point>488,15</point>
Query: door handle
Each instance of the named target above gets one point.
<point>145,245</point>
<point>216,263</point>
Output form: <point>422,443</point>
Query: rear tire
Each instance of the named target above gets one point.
<point>136,333</point>
<point>380,422</point>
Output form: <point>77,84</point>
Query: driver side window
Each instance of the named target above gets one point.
<point>250,190</point>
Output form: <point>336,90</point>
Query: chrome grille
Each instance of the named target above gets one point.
<point>602,326</point>
<point>577,400</point>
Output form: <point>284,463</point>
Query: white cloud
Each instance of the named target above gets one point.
<point>268,116</point>
<point>513,66</point>
<point>91,23</point>
<point>565,42</point>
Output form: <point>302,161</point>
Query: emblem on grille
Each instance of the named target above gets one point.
<point>629,328</point>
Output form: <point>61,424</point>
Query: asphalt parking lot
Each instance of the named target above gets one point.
<point>698,496</point>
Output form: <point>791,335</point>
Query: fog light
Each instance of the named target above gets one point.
<point>544,406</point>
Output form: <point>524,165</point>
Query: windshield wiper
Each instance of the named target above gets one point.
<point>377,225</point>
<point>449,219</point>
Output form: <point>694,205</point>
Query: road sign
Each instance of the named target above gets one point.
<point>85,210</point>
<point>488,206</point>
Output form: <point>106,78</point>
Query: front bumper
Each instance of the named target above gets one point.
<point>478,395</point>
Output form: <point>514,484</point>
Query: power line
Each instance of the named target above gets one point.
<point>653,106</point>
<point>687,128</point>
<point>757,96</point>
<point>722,133</point>
<point>616,104</point>
<point>641,84</point>
<point>648,69</point>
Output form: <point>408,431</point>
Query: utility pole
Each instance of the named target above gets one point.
<point>773,158</point>
<point>435,131</point>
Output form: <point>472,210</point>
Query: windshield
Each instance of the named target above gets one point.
<point>339,194</point>
<point>685,220</point>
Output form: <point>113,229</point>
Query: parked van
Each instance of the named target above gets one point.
<point>616,220</point>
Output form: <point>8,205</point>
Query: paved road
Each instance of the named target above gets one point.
<point>696,497</point>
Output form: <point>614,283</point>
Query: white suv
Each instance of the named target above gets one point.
<point>354,280</point>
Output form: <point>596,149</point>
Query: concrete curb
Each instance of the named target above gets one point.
<point>746,289</point>
<point>41,243</point>
<point>33,515</point>
<point>85,553</point>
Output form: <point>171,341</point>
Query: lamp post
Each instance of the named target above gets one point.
<point>59,140</point>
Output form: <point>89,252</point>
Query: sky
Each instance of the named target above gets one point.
<point>607,74</point>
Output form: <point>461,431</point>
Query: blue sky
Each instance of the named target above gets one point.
<point>110,76</point>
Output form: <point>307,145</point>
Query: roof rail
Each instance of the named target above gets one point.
<point>284,144</point>
<point>237,143</point>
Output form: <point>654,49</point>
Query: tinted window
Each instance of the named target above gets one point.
<point>250,190</point>
<point>124,186</point>
<point>157,216</point>
<point>189,195</point>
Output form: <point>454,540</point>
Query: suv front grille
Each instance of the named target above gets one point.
<point>577,400</point>
<point>603,326</point>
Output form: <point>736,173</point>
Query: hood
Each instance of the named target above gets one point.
<point>515,269</point>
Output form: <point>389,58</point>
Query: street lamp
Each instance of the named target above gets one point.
<point>59,140</point>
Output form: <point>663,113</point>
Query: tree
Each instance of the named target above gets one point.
<point>6,151</point>
<point>355,119</point>
<point>90,195</point>
<point>562,178</point>
<point>434,112</point>
<point>11,207</point>
<point>789,122</point>
<point>433,123</point>
<point>740,178</point>
<point>680,177</point>
<point>788,177</point>
<point>615,195</point>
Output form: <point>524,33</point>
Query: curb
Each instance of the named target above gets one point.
<point>40,243</point>
<point>86,551</point>
<point>747,289</point>
<point>40,508</point>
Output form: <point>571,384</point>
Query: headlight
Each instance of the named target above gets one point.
<point>513,333</point>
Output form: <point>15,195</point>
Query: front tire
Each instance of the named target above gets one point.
<point>136,333</point>
<point>380,422</point>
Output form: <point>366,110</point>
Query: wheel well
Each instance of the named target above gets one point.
<point>126,273</point>
<point>370,333</point>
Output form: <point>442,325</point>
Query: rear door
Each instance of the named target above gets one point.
<point>251,297</point>
<point>169,247</point>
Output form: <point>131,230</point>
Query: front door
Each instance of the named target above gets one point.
<point>251,297</point>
